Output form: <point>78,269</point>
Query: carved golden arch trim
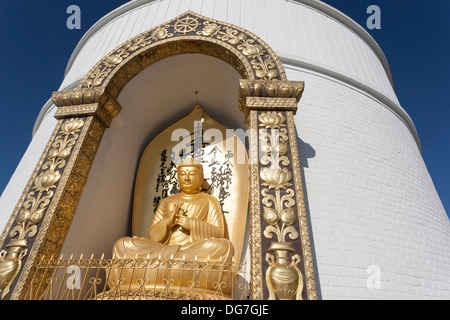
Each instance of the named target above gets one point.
<point>84,113</point>
<point>187,33</point>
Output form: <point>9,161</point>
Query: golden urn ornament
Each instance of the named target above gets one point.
<point>10,264</point>
<point>283,277</point>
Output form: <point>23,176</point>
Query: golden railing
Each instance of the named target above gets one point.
<point>93,279</point>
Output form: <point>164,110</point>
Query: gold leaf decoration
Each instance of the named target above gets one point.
<point>36,203</point>
<point>257,54</point>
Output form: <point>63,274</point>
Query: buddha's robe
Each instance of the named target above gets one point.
<point>206,240</point>
<point>206,237</point>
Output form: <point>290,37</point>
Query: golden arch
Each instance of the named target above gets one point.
<point>187,33</point>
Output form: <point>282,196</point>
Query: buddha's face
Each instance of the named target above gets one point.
<point>190,179</point>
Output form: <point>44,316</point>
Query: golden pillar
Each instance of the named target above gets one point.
<point>282,261</point>
<point>41,220</point>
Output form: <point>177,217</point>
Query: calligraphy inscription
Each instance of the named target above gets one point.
<point>218,162</point>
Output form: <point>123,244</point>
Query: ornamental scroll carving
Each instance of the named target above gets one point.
<point>36,203</point>
<point>283,278</point>
<point>256,59</point>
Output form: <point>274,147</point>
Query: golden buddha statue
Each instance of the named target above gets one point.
<point>188,226</point>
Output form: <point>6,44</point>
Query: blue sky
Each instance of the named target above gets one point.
<point>414,35</point>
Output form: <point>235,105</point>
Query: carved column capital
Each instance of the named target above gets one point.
<point>97,102</point>
<point>269,95</point>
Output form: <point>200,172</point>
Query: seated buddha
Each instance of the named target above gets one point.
<point>188,226</point>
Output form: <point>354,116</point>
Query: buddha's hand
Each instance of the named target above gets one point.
<point>174,215</point>
<point>184,222</point>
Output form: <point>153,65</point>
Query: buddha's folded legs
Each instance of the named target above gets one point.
<point>204,250</point>
<point>197,265</point>
<point>142,248</point>
<point>208,250</point>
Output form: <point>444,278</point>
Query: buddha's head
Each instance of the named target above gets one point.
<point>190,175</point>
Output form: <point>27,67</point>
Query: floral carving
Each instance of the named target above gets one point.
<point>277,178</point>
<point>210,29</point>
<point>112,61</point>
<point>36,203</point>
<point>284,280</point>
<point>187,25</point>
<point>287,217</point>
<point>265,67</point>
<point>274,120</point>
<point>161,33</point>
<point>96,77</point>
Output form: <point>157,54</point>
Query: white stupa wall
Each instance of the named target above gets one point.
<point>292,28</point>
<point>370,198</point>
<point>371,201</point>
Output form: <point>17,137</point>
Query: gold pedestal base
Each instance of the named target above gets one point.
<point>162,294</point>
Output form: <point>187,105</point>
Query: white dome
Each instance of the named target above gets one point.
<point>305,33</point>
<point>310,32</point>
